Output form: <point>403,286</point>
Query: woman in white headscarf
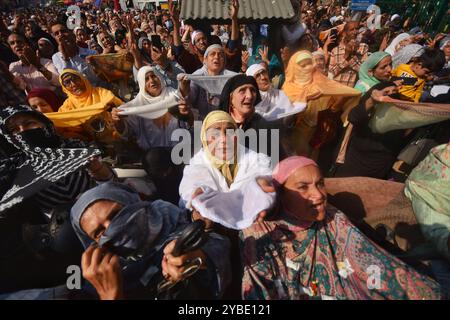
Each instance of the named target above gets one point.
<point>274,103</point>
<point>150,118</point>
<point>398,43</point>
<point>406,54</point>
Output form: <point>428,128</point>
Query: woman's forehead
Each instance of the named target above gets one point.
<point>245,86</point>
<point>70,75</point>
<point>220,125</point>
<point>306,174</point>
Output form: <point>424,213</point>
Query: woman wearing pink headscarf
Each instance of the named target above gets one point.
<point>310,250</point>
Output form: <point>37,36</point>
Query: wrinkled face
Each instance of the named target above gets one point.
<point>243,100</point>
<point>215,61</point>
<point>45,48</point>
<point>152,84</point>
<point>17,44</point>
<point>97,218</point>
<point>263,81</point>
<point>383,69</point>
<point>23,122</point>
<point>40,105</point>
<point>351,30</point>
<point>106,40</point>
<point>73,83</point>
<point>222,140</point>
<point>304,194</point>
<point>201,43</point>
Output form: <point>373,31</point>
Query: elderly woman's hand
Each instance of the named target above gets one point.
<point>115,116</point>
<point>102,270</point>
<point>173,267</point>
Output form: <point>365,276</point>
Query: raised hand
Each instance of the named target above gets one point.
<point>234,9</point>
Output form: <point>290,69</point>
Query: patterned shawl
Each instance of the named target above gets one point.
<point>288,259</point>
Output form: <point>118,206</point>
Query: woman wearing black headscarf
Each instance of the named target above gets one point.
<point>239,97</point>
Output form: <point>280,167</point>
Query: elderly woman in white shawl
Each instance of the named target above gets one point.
<point>149,117</point>
<point>274,103</point>
<point>203,91</point>
<point>402,40</point>
<point>225,182</point>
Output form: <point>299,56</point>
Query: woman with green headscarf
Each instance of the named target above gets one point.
<point>375,69</point>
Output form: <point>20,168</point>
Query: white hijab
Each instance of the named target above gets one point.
<point>145,105</point>
<point>392,49</point>
<point>274,103</point>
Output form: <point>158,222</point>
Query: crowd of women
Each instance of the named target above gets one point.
<point>339,189</point>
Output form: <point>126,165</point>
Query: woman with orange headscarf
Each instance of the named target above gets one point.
<point>326,101</point>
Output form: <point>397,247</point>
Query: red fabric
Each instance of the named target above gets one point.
<point>48,95</point>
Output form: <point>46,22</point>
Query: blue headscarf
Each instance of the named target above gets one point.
<point>137,228</point>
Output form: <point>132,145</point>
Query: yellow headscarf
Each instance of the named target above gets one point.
<point>92,95</point>
<point>77,110</point>
<point>228,170</point>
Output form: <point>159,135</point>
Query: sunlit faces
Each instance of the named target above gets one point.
<point>106,40</point>
<point>23,122</point>
<point>243,100</point>
<point>152,84</point>
<point>17,44</point>
<point>73,83</point>
<point>222,141</point>
<point>263,81</point>
<point>200,42</point>
<point>304,195</point>
<point>383,69</point>
<point>97,218</point>
<point>40,105</point>
<point>215,61</point>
